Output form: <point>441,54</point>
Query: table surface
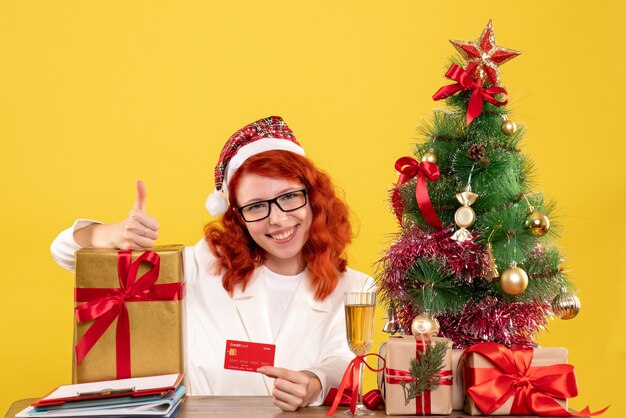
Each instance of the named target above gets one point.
<point>238,406</point>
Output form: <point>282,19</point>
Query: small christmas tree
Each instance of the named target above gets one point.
<point>475,258</point>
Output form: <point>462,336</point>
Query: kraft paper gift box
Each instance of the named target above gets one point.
<point>128,314</point>
<point>474,364</point>
<point>458,394</point>
<point>398,352</point>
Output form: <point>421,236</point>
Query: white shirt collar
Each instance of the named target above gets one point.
<point>281,282</point>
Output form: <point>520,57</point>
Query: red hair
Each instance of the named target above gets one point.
<point>238,254</point>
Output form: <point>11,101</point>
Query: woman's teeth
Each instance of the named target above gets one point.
<point>284,235</point>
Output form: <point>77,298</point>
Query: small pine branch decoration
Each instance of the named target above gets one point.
<point>424,371</point>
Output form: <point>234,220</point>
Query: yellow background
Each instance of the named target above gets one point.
<point>94,95</point>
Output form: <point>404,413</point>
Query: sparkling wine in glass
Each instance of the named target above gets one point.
<point>360,307</point>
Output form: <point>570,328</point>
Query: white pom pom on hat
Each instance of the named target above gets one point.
<point>267,134</point>
<point>217,203</point>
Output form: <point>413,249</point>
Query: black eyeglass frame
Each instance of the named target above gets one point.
<point>269,202</point>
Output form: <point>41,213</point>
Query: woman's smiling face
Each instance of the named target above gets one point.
<point>281,235</point>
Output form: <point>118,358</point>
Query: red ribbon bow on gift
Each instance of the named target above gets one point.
<point>408,168</point>
<point>104,305</point>
<point>533,388</point>
<point>464,81</point>
<point>350,382</point>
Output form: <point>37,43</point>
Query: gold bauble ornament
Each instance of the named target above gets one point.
<point>537,222</point>
<point>566,306</point>
<point>509,127</point>
<point>424,324</point>
<point>513,280</point>
<point>430,156</point>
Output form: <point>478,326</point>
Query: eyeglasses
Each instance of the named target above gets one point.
<point>260,210</point>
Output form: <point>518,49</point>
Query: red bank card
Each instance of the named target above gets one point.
<point>247,356</point>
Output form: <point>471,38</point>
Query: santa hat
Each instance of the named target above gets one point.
<point>271,133</point>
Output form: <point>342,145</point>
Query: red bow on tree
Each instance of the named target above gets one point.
<point>464,81</point>
<point>408,168</point>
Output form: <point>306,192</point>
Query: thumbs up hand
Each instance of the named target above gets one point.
<point>138,230</point>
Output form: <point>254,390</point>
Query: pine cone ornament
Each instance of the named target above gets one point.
<point>476,152</point>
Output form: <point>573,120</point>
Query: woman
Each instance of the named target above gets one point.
<point>271,270</point>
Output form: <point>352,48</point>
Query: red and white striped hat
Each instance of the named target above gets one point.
<point>267,134</point>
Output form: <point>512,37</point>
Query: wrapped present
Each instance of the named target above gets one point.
<point>116,336</point>
<point>395,384</point>
<point>525,381</point>
<point>458,392</point>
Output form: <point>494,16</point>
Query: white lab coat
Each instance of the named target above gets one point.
<point>311,337</point>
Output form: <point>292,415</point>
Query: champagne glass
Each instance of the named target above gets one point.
<point>360,333</point>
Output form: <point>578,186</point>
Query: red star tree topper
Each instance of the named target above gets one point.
<point>484,57</point>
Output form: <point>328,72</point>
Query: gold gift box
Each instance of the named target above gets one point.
<point>541,357</point>
<point>155,326</point>
<point>398,352</point>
